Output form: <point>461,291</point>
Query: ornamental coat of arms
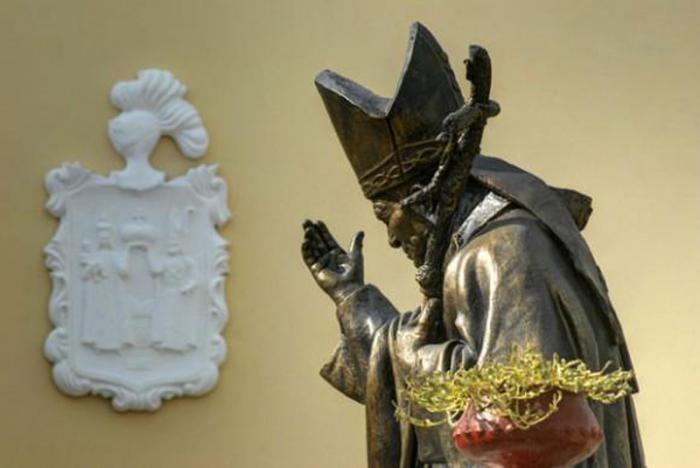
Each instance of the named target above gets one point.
<point>137,264</point>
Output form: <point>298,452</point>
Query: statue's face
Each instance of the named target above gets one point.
<point>173,247</point>
<point>134,133</point>
<point>104,237</point>
<point>406,229</point>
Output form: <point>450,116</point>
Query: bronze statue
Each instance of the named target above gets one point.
<point>499,255</point>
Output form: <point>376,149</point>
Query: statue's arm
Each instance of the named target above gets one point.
<point>361,308</point>
<point>359,315</point>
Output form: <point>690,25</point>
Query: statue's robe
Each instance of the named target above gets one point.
<point>518,271</point>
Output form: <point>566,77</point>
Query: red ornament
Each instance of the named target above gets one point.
<point>565,438</point>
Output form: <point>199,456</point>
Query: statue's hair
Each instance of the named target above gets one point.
<point>158,92</point>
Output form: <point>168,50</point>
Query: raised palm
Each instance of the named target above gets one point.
<point>337,272</point>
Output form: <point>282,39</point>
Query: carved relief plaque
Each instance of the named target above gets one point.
<point>137,264</point>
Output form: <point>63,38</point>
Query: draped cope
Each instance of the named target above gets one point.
<point>518,271</point>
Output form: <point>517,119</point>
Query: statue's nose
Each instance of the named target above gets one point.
<point>394,242</point>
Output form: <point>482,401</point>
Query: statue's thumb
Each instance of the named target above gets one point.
<point>356,246</point>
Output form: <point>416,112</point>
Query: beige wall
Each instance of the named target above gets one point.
<point>599,96</point>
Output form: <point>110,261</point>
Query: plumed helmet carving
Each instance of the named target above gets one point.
<point>158,92</point>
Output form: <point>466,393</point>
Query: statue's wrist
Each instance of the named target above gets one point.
<point>344,292</point>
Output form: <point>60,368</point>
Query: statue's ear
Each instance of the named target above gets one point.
<point>425,209</point>
<point>382,210</point>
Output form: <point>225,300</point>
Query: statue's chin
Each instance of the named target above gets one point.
<point>415,251</point>
<point>417,260</point>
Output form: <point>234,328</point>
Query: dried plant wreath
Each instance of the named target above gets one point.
<point>506,389</point>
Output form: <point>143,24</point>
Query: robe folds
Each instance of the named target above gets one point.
<point>517,271</point>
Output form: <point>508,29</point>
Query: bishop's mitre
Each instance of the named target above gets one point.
<point>390,142</point>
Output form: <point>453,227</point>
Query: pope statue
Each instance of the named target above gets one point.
<point>499,254</point>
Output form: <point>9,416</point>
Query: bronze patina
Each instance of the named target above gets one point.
<point>499,253</point>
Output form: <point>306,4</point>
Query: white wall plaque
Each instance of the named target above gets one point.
<point>137,264</point>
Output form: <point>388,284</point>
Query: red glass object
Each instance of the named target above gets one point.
<point>567,437</point>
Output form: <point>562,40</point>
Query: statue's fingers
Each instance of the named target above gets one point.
<point>321,263</point>
<point>313,239</point>
<point>415,315</point>
<point>335,259</point>
<point>430,315</point>
<point>308,253</point>
<point>307,226</point>
<point>327,237</point>
<point>409,319</point>
<point>311,233</point>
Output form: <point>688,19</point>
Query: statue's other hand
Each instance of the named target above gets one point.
<point>337,272</point>
<point>415,330</point>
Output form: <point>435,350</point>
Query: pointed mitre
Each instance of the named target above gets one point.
<point>390,143</point>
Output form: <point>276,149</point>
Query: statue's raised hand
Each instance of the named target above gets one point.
<point>337,272</point>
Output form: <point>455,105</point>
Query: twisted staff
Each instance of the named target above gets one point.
<point>462,132</point>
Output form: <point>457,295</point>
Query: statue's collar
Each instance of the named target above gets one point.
<point>490,206</point>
